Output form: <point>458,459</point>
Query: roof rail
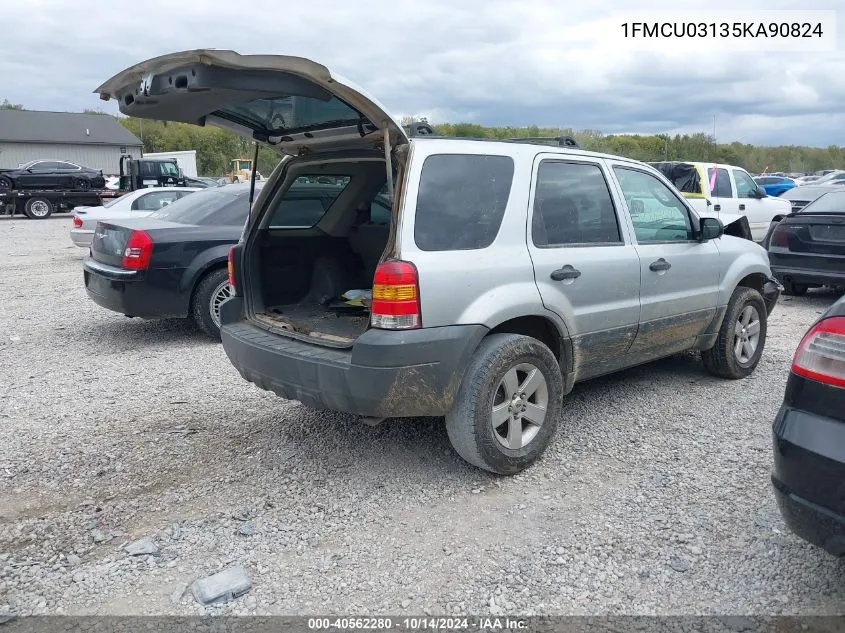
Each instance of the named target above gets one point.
<point>562,141</point>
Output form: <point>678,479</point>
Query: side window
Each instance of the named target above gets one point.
<point>307,201</point>
<point>572,205</point>
<point>44,166</point>
<point>461,201</point>
<point>66,167</point>
<point>661,215</point>
<point>722,187</point>
<point>745,187</point>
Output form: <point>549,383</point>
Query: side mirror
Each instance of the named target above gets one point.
<point>710,229</point>
<point>759,193</point>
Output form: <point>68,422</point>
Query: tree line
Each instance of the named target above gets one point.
<point>217,147</point>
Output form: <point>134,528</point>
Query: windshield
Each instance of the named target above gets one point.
<point>169,169</point>
<point>831,202</point>
<point>214,206</point>
<point>243,165</point>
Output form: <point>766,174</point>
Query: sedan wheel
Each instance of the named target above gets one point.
<point>210,293</point>
<point>222,292</point>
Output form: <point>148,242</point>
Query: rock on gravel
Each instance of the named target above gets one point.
<point>141,547</point>
<point>223,586</point>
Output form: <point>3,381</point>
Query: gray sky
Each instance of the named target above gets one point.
<point>518,62</point>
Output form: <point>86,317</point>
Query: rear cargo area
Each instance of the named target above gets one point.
<point>316,281</point>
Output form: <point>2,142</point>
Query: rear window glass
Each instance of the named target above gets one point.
<point>833,202</point>
<point>307,201</point>
<point>461,201</point>
<point>227,205</point>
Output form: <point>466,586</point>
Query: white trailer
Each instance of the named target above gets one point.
<point>187,160</point>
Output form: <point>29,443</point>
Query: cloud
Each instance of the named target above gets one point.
<point>495,62</point>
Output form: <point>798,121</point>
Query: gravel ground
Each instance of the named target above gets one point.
<point>654,498</point>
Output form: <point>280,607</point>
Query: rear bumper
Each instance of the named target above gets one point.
<point>809,476</point>
<point>386,374</point>
<point>808,276</point>
<point>82,237</point>
<point>130,292</point>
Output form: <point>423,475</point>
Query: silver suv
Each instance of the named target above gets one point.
<point>470,279</point>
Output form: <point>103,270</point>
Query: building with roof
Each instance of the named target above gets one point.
<point>92,140</point>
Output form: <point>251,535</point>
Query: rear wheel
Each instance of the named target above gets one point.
<point>82,184</point>
<point>742,336</point>
<point>38,208</point>
<point>211,292</point>
<point>796,290</point>
<point>507,408</point>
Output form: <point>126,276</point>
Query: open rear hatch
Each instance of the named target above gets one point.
<point>291,104</point>
<point>299,108</point>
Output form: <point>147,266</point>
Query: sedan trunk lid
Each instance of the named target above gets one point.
<point>290,104</point>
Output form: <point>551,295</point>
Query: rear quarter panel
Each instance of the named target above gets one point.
<point>484,286</point>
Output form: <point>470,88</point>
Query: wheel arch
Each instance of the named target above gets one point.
<point>545,330</point>
<point>201,273</point>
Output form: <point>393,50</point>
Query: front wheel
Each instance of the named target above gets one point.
<point>6,183</point>
<point>741,338</point>
<point>211,292</point>
<point>507,407</point>
<point>793,289</point>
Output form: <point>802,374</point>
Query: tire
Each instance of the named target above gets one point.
<point>6,183</point>
<point>793,289</point>
<point>470,423</point>
<point>82,184</point>
<point>722,359</point>
<point>38,208</point>
<point>210,292</point>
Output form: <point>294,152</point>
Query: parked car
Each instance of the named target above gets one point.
<point>834,177</point>
<point>716,189</point>
<point>800,197</point>
<point>807,248</point>
<point>51,174</point>
<point>806,180</point>
<point>171,263</point>
<point>775,185</point>
<point>135,204</point>
<point>809,436</point>
<point>470,302</point>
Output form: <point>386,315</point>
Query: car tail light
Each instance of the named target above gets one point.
<point>138,251</point>
<point>77,221</point>
<point>231,267</point>
<point>396,297</point>
<point>821,354</point>
<point>780,236</point>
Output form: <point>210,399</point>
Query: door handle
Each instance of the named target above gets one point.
<point>660,264</point>
<point>742,207</point>
<point>567,272</point>
<point>717,207</point>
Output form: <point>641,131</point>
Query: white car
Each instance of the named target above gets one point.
<point>725,192</point>
<point>136,204</point>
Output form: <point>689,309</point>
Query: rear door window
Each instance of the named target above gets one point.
<point>461,201</point>
<point>722,187</point>
<point>572,205</point>
<point>307,201</point>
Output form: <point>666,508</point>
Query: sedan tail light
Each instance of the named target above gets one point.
<point>780,236</point>
<point>138,251</point>
<point>821,353</point>
<point>77,221</point>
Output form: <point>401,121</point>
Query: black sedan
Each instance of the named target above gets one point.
<point>172,264</point>
<point>807,247</point>
<point>809,436</point>
<point>51,174</point>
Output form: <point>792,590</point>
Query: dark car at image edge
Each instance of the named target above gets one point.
<point>807,247</point>
<point>809,436</point>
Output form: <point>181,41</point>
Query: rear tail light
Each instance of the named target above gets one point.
<point>821,354</point>
<point>780,236</point>
<point>231,267</point>
<point>77,221</point>
<point>138,251</point>
<point>396,297</point>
